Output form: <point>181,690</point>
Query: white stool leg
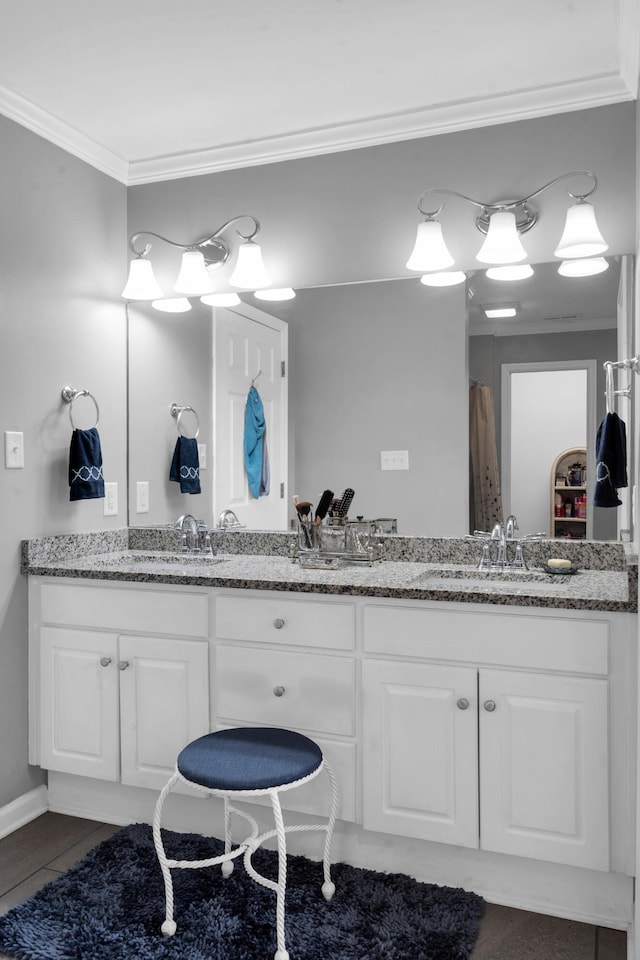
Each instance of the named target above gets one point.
<point>169,926</point>
<point>227,866</point>
<point>329,887</point>
<point>281,952</point>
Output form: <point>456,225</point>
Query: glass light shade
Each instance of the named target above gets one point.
<point>221,299</point>
<point>172,305</point>
<point>448,278</point>
<point>513,271</point>
<point>583,268</point>
<point>250,272</point>
<point>193,279</point>
<point>275,293</point>
<point>502,243</point>
<point>141,283</point>
<point>430,252</point>
<point>581,237</point>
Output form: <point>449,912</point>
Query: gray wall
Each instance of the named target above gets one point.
<point>61,258</point>
<point>487,354</point>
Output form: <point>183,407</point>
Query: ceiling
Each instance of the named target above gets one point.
<point>154,90</point>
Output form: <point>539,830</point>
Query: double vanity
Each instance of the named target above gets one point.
<point>481,726</point>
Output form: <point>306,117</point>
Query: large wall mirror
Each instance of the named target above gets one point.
<point>373,367</point>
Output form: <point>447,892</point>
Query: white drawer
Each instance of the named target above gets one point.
<point>473,636</point>
<point>114,608</point>
<point>275,619</point>
<point>318,691</point>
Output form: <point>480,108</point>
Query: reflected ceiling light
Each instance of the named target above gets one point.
<point>583,268</point>
<point>503,223</point>
<point>172,305</point>
<point>496,312</point>
<point>199,259</point>
<point>513,271</point>
<point>221,299</point>
<point>275,293</point>
<point>448,278</point>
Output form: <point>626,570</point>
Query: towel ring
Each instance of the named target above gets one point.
<point>70,395</point>
<point>177,412</point>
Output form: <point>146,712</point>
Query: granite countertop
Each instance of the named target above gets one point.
<point>454,579</point>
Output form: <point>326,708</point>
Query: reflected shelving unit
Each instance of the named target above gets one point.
<point>568,519</point>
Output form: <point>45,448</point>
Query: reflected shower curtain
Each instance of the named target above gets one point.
<point>485,498</point>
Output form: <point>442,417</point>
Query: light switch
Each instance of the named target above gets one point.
<point>202,456</point>
<point>13,450</point>
<point>142,496</point>
<point>110,499</point>
<point>394,459</point>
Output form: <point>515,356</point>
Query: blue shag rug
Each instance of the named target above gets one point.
<point>110,906</point>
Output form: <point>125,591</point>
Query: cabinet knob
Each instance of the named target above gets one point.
<point>123,664</point>
<point>462,703</point>
<point>489,705</point>
<point>278,623</point>
<point>105,661</point>
<point>278,691</point>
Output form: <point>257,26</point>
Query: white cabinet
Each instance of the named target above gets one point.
<point>115,706</point>
<point>506,748</point>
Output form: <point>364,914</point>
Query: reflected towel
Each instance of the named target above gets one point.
<point>256,459</point>
<point>185,466</point>
<point>611,461</point>
<point>86,481</point>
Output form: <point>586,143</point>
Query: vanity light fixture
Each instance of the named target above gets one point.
<point>172,305</point>
<point>447,278</point>
<point>583,268</point>
<point>198,259</point>
<point>503,223</point>
<point>275,293</point>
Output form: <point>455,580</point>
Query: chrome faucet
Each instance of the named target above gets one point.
<point>228,520</point>
<point>510,527</point>
<point>497,554</point>
<point>194,535</point>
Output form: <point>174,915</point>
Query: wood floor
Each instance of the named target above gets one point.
<point>48,846</point>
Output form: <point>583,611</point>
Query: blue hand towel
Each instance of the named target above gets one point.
<point>611,461</point>
<point>185,466</point>
<point>86,481</point>
<point>254,452</point>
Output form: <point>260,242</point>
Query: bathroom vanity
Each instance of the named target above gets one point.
<point>482,733</point>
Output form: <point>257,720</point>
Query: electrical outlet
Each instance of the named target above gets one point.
<point>142,496</point>
<point>110,499</point>
<point>202,455</point>
<point>394,459</point>
<point>13,450</point>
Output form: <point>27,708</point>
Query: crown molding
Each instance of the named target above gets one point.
<point>430,121</point>
<point>34,118</point>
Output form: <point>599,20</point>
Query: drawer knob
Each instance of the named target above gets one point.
<point>462,703</point>
<point>278,691</point>
<point>123,664</point>
<point>278,623</point>
<point>489,705</point>
<point>105,661</point>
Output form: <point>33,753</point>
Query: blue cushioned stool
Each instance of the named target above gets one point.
<point>242,763</point>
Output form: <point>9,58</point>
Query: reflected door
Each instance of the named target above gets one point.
<point>249,342</point>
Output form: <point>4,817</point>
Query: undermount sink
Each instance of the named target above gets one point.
<point>163,558</point>
<point>470,575</point>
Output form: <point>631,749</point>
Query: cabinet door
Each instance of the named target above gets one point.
<point>420,765</point>
<point>544,767</point>
<point>79,729</point>
<point>164,704</point>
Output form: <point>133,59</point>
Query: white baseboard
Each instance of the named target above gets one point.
<point>22,810</point>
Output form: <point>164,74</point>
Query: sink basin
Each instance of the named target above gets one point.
<point>471,576</point>
<point>161,558</point>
